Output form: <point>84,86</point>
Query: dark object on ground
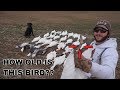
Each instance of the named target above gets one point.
<point>29,30</point>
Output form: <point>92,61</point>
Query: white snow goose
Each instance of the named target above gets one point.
<point>58,61</point>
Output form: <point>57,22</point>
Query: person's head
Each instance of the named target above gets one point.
<point>102,30</point>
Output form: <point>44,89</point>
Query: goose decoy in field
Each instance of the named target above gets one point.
<point>63,38</point>
<point>35,53</point>
<point>61,46</point>
<point>38,46</point>
<point>53,32</point>
<point>53,43</point>
<point>76,43</point>
<point>64,33</point>
<point>32,48</point>
<point>51,36</point>
<point>70,34</point>
<point>36,39</point>
<point>42,40</point>
<point>46,35</point>
<point>23,46</point>
<point>75,35</point>
<point>56,37</point>
<point>29,54</point>
<point>58,33</point>
<point>69,41</point>
<point>46,41</point>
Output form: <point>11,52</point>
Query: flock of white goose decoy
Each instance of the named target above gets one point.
<point>54,45</point>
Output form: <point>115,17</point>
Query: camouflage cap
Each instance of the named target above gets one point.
<point>103,24</point>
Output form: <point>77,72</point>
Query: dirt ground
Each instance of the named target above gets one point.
<point>13,26</point>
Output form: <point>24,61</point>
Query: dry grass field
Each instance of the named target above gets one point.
<point>13,26</point>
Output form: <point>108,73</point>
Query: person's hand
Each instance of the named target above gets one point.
<point>82,62</point>
<point>85,65</point>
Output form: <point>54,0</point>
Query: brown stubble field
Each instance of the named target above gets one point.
<point>13,25</point>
